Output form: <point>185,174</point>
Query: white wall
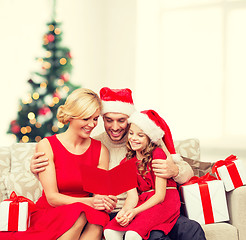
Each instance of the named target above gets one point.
<point>115,43</point>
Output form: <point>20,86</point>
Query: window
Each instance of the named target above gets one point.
<point>203,59</point>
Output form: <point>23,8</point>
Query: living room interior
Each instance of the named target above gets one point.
<point>183,58</point>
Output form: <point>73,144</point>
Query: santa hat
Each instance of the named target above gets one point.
<point>154,127</point>
<point>117,100</point>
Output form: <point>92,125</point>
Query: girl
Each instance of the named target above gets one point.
<point>65,209</point>
<point>155,204</point>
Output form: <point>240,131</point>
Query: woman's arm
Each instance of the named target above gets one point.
<point>49,183</point>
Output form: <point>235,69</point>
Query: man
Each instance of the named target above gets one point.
<point>117,107</point>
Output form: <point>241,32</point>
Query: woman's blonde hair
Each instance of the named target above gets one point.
<point>81,103</point>
<point>144,166</point>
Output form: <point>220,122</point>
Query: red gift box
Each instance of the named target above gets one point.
<point>231,171</point>
<point>15,213</point>
<point>205,200</point>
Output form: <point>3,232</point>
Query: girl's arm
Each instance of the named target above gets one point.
<point>49,183</point>
<point>158,197</point>
<point>130,203</point>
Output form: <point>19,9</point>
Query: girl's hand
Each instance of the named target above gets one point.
<point>120,218</point>
<point>130,214</point>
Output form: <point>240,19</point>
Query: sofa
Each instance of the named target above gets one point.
<point>15,175</point>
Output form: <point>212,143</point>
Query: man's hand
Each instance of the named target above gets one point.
<point>38,162</point>
<point>165,168</point>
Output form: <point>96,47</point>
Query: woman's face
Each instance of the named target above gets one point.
<point>137,138</point>
<point>84,127</point>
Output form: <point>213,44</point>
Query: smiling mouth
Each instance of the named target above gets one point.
<point>87,130</point>
<point>116,134</point>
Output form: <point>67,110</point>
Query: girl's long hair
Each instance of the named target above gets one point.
<point>144,166</point>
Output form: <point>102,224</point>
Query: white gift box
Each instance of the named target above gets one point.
<point>5,218</point>
<point>224,175</point>
<point>194,206</point>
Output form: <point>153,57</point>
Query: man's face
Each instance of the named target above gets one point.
<point>116,125</point>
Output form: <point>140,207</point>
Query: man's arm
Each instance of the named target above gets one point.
<point>39,162</point>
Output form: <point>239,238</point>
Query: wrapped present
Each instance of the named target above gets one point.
<point>231,171</point>
<point>15,213</point>
<point>205,199</point>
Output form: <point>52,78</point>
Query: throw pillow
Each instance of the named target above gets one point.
<point>199,168</point>
<point>24,184</point>
<point>4,169</point>
<point>189,148</point>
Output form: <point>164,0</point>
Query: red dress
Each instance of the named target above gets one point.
<point>49,223</point>
<point>162,216</point>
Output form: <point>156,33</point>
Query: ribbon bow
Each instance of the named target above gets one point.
<point>200,180</point>
<point>205,196</point>
<point>229,160</point>
<point>17,199</point>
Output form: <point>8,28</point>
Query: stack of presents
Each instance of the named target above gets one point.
<point>204,198</point>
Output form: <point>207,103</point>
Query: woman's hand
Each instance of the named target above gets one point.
<point>109,203</point>
<point>104,202</point>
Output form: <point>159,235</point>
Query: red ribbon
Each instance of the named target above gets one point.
<point>231,168</point>
<point>205,195</point>
<point>14,210</point>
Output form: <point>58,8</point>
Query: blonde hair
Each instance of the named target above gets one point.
<point>81,103</point>
<point>144,166</point>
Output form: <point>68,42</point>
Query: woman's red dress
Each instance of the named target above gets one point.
<point>49,223</point>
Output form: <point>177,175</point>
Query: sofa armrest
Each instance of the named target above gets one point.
<point>237,204</point>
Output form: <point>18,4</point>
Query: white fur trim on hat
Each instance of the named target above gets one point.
<point>154,132</point>
<point>117,107</point>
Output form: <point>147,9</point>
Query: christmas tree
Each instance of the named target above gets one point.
<point>36,117</point>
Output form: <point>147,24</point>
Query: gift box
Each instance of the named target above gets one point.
<point>15,213</point>
<point>205,199</point>
<point>231,171</point>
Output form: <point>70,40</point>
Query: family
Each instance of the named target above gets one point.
<point>150,211</point>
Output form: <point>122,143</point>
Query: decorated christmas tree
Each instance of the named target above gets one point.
<point>36,117</point>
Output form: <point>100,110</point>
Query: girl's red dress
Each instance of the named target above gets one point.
<point>162,216</point>
<point>49,223</point>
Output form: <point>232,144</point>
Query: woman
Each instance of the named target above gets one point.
<point>65,210</point>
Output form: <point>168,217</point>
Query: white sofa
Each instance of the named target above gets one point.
<point>15,176</point>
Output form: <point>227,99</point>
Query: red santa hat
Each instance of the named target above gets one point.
<point>154,127</point>
<point>117,101</point>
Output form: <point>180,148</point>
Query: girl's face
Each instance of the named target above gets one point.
<point>84,127</point>
<point>137,138</point>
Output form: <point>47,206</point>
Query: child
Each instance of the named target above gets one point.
<point>155,204</point>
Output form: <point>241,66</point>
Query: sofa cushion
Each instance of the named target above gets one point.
<point>21,179</point>
<point>24,184</point>
<point>200,168</point>
<point>21,154</point>
<point>218,231</point>
<point>189,148</point>
<point>4,170</point>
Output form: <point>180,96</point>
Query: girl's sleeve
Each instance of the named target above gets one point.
<point>158,153</point>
